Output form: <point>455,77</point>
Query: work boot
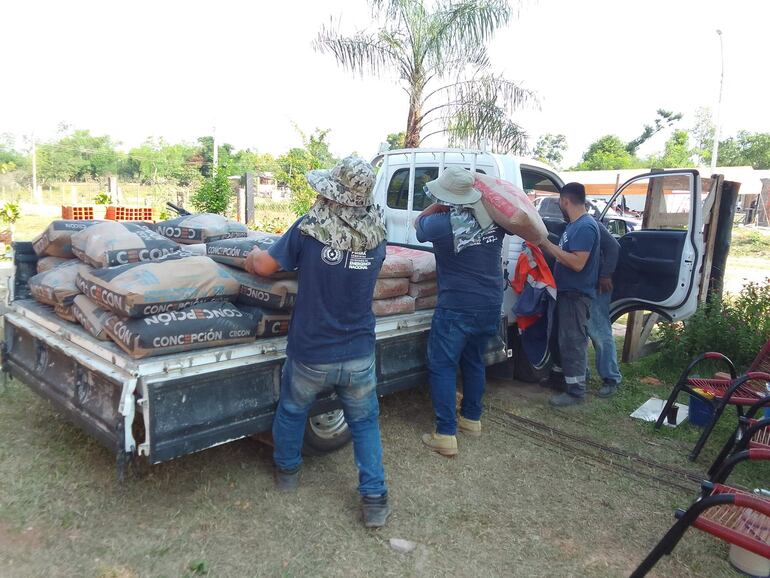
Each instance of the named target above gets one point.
<point>375,510</point>
<point>566,400</point>
<point>287,481</point>
<point>607,390</point>
<point>470,427</point>
<point>441,444</point>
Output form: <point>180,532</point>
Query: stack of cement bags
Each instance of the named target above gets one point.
<point>152,296</point>
<point>407,282</point>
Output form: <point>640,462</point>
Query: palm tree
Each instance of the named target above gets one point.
<point>440,55</point>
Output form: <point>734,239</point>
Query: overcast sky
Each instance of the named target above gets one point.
<point>175,69</point>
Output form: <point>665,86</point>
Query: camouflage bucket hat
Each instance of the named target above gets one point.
<point>349,183</point>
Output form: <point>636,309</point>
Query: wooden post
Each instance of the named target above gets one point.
<point>249,186</point>
<point>710,218</point>
<point>723,230</point>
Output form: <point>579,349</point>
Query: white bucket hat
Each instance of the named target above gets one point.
<point>455,186</point>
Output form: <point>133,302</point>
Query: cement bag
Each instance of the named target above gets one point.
<point>234,251</point>
<point>266,322</point>
<point>396,266</point>
<point>509,207</point>
<point>56,240</point>
<point>197,249</point>
<point>195,327</point>
<point>425,302</point>
<point>264,292</point>
<point>111,243</point>
<point>423,262</point>
<point>47,263</point>
<point>422,289</point>
<point>201,228</point>
<point>141,289</point>
<point>58,286</point>
<point>383,307</point>
<point>387,288</point>
<point>65,312</point>
<point>92,317</point>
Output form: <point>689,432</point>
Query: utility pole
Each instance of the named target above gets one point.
<point>715,149</point>
<point>216,155</point>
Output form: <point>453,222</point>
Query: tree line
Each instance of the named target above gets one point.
<point>689,147</point>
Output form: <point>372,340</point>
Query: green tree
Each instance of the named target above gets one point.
<point>206,154</point>
<point>677,153</point>
<point>702,135</point>
<point>78,156</point>
<point>746,149</point>
<point>550,149</point>
<point>664,119</point>
<point>608,152</point>
<point>396,140</point>
<point>439,53</point>
<point>156,161</point>
<point>296,162</point>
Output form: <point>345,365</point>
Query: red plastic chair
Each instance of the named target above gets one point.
<point>730,514</point>
<point>740,392</point>
<point>751,433</point>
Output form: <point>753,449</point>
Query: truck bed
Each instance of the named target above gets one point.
<point>167,406</point>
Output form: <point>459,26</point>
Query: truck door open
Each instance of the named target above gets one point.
<point>659,265</point>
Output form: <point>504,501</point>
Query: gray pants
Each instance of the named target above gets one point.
<point>569,341</point>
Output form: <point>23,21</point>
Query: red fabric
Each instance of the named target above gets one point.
<point>540,273</point>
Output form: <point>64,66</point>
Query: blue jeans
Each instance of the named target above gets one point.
<point>458,338</point>
<point>600,332</point>
<point>355,383</point>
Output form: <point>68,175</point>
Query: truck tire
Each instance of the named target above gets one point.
<point>524,371</point>
<point>326,433</point>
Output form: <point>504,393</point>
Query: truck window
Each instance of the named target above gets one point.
<point>398,189</point>
<point>538,183</point>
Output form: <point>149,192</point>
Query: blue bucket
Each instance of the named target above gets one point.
<point>701,413</point>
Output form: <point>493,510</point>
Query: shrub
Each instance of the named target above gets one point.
<point>737,326</point>
<point>214,195</point>
<point>102,199</point>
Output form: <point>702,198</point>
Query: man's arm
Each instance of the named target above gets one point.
<point>433,223</point>
<point>259,262</point>
<point>574,261</point>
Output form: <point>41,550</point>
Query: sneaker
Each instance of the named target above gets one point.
<point>375,510</point>
<point>470,427</point>
<point>287,481</point>
<point>441,444</point>
<point>607,390</point>
<point>566,400</point>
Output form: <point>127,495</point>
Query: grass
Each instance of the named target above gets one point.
<point>506,506</point>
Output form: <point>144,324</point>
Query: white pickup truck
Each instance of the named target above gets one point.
<point>168,406</point>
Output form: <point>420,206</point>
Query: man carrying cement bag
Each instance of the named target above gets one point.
<point>468,249</point>
<point>338,249</point>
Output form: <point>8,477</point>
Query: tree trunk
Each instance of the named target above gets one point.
<point>412,139</point>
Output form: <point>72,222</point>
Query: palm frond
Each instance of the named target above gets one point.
<point>486,121</point>
<point>362,52</point>
<point>460,26</point>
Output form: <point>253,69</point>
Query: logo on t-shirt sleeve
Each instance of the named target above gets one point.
<point>332,256</point>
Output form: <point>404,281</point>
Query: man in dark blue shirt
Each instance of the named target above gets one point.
<point>338,249</point>
<point>576,273</point>
<point>467,314</point>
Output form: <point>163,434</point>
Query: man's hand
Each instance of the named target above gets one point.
<point>259,262</point>
<point>605,285</point>
<point>574,261</point>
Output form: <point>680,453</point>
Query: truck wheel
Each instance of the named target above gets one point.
<point>524,371</point>
<point>326,433</point>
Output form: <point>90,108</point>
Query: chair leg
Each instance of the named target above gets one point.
<point>724,452</point>
<point>718,410</point>
<point>665,546</point>
<point>669,404</point>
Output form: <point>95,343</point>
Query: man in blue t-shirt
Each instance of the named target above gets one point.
<point>337,249</point>
<point>470,294</point>
<point>576,273</point>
